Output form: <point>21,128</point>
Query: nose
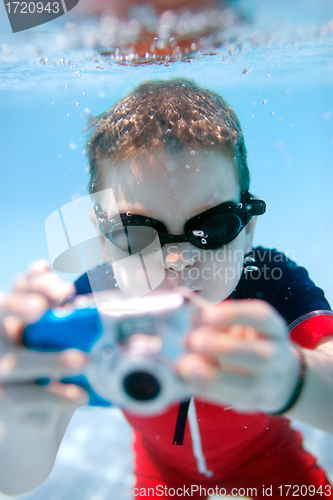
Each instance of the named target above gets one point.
<point>179,256</point>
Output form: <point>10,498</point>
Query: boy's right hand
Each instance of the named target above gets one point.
<point>33,418</point>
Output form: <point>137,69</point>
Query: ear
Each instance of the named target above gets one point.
<point>250,234</point>
<point>102,240</point>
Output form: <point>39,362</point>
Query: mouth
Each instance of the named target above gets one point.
<point>171,282</point>
<point>171,285</point>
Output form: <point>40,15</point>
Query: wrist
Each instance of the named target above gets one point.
<point>298,387</point>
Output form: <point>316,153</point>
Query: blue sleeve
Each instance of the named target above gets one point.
<point>99,279</point>
<point>281,283</point>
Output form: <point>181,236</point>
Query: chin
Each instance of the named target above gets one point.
<point>215,296</point>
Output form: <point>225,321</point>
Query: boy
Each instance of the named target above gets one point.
<point>174,158</point>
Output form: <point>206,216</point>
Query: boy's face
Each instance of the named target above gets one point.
<point>173,188</point>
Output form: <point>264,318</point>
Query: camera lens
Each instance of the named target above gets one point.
<point>141,386</point>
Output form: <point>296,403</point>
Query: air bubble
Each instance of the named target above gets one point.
<point>6,49</point>
<point>192,152</point>
<point>171,165</point>
<point>203,241</point>
<point>246,70</point>
<point>264,101</point>
<point>107,353</point>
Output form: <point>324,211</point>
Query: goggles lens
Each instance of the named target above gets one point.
<point>133,238</point>
<point>218,231</point>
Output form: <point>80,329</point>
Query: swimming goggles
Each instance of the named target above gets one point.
<point>208,230</point>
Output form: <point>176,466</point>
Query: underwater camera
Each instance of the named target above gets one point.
<point>132,345</point>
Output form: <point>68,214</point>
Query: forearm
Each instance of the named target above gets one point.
<point>28,452</point>
<point>315,405</point>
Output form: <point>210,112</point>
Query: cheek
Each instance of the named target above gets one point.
<point>223,270</point>
<point>138,274</point>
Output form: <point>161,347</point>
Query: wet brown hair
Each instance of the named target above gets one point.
<point>173,115</point>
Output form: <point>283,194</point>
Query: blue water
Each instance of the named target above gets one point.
<point>276,71</point>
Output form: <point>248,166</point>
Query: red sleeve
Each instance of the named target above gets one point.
<point>310,328</point>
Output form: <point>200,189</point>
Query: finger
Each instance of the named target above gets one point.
<point>211,339</point>
<point>253,313</point>
<point>235,353</point>
<point>200,366</point>
<point>23,365</point>
<point>193,366</point>
<point>13,328</point>
<point>39,266</point>
<point>218,386</point>
<point>28,307</point>
<point>30,400</point>
<point>69,392</point>
<point>46,283</point>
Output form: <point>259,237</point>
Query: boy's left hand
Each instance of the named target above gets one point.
<point>240,356</point>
